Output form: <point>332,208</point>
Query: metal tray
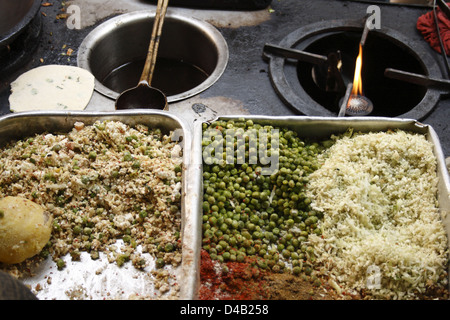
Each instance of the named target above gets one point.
<point>80,280</point>
<point>323,127</point>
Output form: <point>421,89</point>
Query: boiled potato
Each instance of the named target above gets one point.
<point>25,228</point>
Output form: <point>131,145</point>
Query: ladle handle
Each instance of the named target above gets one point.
<point>344,103</point>
<point>150,61</point>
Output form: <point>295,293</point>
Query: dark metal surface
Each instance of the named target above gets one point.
<point>444,7</point>
<point>414,3</point>
<point>221,4</point>
<point>15,17</point>
<point>13,289</point>
<point>20,32</point>
<point>294,54</point>
<point>420,79</point>
<point>18,52</point>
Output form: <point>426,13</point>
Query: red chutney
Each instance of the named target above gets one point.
<point>230,280</point>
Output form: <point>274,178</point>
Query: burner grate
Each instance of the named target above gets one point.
<point>296,81</point>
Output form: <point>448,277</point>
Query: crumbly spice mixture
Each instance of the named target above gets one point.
<point>101,183</point>
<point>286,286</point>
<point>247,281</point>
<point>230,280</point>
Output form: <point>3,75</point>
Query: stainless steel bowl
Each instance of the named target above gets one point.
<point>124,39</point>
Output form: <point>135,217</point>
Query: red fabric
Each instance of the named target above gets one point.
<point>427,27</point>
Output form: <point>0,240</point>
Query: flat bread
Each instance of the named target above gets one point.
<point>52,87</point>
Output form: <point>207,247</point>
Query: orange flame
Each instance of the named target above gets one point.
<point>357,80</point>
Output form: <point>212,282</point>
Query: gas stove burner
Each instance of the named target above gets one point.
<point>315,88</point>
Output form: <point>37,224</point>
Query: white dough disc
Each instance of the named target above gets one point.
<point>52,87</point>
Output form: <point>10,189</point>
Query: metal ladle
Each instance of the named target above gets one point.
<point>144,96</point>
<point>359,106</point>
<point>355,104</point>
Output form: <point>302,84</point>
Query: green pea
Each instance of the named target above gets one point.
<point>251,212</point>
<point>77,230</point>
<point>169,247</point>
<point>85,179</point>
<point>136,165</point>
<point>127,156</point>
<point>226,256</point>
<point>60,263</point>
<point>296,270</point>
<point>56,147</point>
<point>143,214</point>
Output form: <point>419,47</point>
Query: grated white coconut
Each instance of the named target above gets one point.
<point>382,231</point>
